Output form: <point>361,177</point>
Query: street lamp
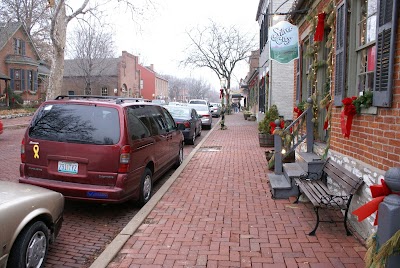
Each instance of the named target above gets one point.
<point>153,96</point>
<point>223,82</point>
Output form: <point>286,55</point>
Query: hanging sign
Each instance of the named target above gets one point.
<point>283,42</point>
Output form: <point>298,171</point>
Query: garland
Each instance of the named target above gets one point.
<point>377,257</point>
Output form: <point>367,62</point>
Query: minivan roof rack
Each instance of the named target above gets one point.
<point>121,100</point>
<point>118,100</point>
<point>61,97</point>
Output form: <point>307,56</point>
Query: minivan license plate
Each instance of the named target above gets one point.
<point>67,167</point>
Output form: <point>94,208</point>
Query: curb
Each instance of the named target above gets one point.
<point>119,241</point>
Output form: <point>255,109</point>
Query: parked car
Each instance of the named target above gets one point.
<point>199,101</point>
<point>101,149</point>
<point>215,109</point>
<point>30,219</point>
<point>1,127</point>
<point>188,121</point>
<point>159,102</point>
<point>205,114</point>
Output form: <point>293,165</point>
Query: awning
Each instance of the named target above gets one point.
<point>237,96</point>
<point>4,77</point>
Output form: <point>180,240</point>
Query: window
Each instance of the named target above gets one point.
<point>71,92</point>
<point>17,79</point>
<point>137,129</point>
<point>366,49</point>
<point>19,47</point>
<point>104,91</point>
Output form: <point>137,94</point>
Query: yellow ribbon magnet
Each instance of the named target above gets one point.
<point>36,151</point>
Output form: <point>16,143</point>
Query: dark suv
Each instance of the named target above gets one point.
<point>101,149</point>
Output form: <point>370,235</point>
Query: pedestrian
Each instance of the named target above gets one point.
<point>223,117</point>
<point>239,106</point>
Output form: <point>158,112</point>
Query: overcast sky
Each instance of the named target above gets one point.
<point>162,39</point>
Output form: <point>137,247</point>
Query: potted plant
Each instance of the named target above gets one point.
<point>246,114</point>
<point>265,136</point>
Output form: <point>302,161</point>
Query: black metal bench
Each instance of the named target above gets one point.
<point>314,186</point>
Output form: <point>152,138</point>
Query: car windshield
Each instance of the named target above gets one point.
<point>76,123</point>
<point>179,112</point>
<point>198,102</point>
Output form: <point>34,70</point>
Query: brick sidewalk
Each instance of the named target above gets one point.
<point>219,213</point>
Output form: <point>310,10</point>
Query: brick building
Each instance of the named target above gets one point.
<point>21,67</point>
<point>352,48</point>
<point>275,82</point>
<point>148,82</point>
<point>108,77</point>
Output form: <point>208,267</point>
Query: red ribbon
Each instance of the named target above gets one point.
<point>319,31</point>
<point>221,93</point>
<point>378,194</point>
<point>297,111</point>
<point>273,126</point>
<point>349,111</point>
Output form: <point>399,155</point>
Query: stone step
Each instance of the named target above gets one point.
<point>292,170</point>
<point>309,162</point>
<point>282,187</point>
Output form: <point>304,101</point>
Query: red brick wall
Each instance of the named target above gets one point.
<point>149,82</point>
<point>128,75</point>
<point>374,139</point>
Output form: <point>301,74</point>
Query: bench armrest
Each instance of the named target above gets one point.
<point>309,176</point>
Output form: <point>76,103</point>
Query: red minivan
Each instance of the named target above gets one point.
<point>103,149</point>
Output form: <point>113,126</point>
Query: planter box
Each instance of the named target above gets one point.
<point>266,140</point>
<point>246,116</point>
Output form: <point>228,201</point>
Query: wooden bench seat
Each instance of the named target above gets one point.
<point>314,186</point>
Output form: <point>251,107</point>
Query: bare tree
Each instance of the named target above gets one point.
<point>91,46</point>
<point>198,88</point>
<point>35,15</point>
<point>58,30</point>
<point>219,49</point>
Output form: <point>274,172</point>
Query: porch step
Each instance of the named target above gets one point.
<point>309,162</point>
<point>282,187</point>
<point>292,170</point>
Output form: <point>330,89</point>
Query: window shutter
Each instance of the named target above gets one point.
<point>266,24</point>
<point>23,79</point>
<point>298,77</point>
<point>23,47</point>
<point>15,46</point>
<point>29,80</point>
<point>35,81</point>
<point>340,53</point>
<point>385,52</point>
<point>12,79</point>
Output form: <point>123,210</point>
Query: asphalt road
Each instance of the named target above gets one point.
<point>88,228</point>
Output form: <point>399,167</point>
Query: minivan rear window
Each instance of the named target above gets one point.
<point>76,124</point>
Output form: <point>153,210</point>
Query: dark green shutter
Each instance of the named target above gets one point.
<point>29,80</point>
<point>15,46</point>
<point>23,47</point>
<point>385,52</point>
<point>35,81</point>
<point>12,79</point>
<point>298,75</point>
<point>340,53</point>
<point>23,79</point>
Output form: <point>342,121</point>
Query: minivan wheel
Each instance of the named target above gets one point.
<point>146,186</point>
<point>193,139</point>
<point>179,158</point>
<point>198,134</point>
<point>30,247</point>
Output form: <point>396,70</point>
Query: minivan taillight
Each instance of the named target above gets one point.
<point>186,124</point>
<point>124,159</point>
<point>23,158</point>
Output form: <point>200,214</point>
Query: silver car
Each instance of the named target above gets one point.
<point>30,219</point>
<point>205,114</point>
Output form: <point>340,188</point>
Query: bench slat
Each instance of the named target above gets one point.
<point>315,190</point>
<point>342,176</point>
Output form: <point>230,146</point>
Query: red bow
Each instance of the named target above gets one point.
<point>378,194</point>
<point>221,93</point>
<point>273,126</point>
<point>297,111</point>
<point>319,31</point>
<point>349,111</point>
